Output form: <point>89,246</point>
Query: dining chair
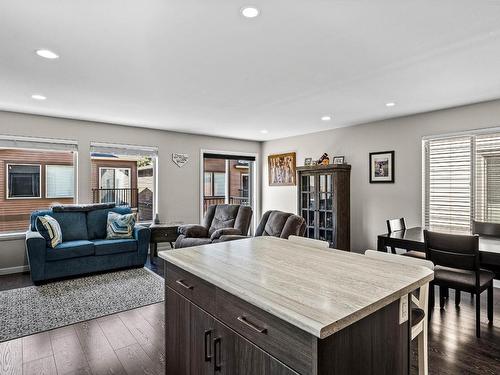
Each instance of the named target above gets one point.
<point>456,265</point>
<point>309,242</point>
<point>420,305</point>
<point>394,225</point>
<point>485,229</point>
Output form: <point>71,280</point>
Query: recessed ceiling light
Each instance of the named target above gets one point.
<point>249,12</point>
<point>264,131</point>
<point>38,97</point>
<point>390,104</point>
<point>326,118</point>
<point>47,54</point>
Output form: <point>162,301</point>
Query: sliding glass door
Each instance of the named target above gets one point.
<point>227,178</point>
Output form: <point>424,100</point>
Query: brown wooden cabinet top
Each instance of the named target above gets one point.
<point>317,168</point>
<point>320,291</point>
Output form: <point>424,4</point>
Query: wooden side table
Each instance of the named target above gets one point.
<point>161,233</point>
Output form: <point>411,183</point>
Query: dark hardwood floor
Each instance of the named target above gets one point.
<point>132,342</point>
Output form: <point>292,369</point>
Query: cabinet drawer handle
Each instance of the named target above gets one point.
<point>243,320</point>
<point>217,354</point>
<point>208,345</point>
<point>184,285</point>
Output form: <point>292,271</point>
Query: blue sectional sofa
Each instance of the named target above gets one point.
<point>84,248</point>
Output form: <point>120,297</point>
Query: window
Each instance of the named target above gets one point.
<point>36,174</point>
<point>487,184</point>
<point>214,184</point>
<point>448,189</point>
<point>208,184</point>
<point>23,181</point>
<point>461,181</point>
<point>114,178</point>
<point>227,178</point>
<point>60,181</point>
<point>125,175</point>
<point>219,184</point>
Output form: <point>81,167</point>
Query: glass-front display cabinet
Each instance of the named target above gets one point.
<point>324,202</point>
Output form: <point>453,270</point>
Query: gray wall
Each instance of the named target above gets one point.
<point>372,204</point>
<point>179,188</point>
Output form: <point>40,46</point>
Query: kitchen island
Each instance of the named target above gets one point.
<point>269,306</point>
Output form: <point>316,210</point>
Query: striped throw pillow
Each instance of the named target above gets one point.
<point>50,229</point>
<point>120,226</point>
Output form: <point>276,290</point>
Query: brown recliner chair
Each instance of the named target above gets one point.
<point>219,220</point>
<point>275,223</point>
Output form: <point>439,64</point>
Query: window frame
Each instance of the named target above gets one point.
<point>7,172</point>
<point>47,181</point>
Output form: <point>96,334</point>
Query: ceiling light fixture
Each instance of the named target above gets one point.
<point>38,97</point>
<point>264,131</point>
<point>249,12</point>
<point>47,54</point>
<point>326,118</point>
<point>390,104</point>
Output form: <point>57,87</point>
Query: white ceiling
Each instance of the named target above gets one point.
<point>198,66</point>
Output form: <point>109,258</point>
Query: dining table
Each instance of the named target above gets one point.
<point>413,239</point>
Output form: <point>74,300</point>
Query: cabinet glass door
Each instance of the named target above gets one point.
<point>325,207</point>
<point>308,203</point>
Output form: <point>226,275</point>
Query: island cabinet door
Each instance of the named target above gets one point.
<point>177,330</point>
<point>202,342</point>
<point>233,355</point>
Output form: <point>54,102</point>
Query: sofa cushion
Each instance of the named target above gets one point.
<point>97,221</point>
<point>49,228</point>
<point>107,247</point>
<point>70,249</point>
<point>120,226</point>
<point>73,225</point>
<point>34,216</point>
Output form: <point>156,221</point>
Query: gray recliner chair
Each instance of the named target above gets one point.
<point>275,223</point>
<point>219,220</point>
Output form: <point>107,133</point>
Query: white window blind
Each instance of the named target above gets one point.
<point>487,177</point>
<point>60,181</point>
<point>447,180</point>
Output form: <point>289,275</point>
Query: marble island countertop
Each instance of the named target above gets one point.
<point>320,291</point>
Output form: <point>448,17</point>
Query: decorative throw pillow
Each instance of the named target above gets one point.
<point>50,229</point>
<point>120,226</point>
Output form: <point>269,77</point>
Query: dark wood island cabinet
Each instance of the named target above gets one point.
<point>226,315</point>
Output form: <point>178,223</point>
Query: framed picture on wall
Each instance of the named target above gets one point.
<point>382,167</point>
<point>282,169</point>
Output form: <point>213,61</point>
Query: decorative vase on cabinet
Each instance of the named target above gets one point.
<point>324,202</point>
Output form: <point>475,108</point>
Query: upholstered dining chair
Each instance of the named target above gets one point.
<point>309,242</point>
<point>420,306</point>
<point>456,265</point>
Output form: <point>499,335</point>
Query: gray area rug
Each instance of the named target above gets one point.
<point>25,311</point>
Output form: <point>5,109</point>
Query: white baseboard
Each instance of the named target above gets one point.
<point>18,269</point>
<point>496,283</point>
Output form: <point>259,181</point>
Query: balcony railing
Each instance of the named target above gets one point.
<point>121,196</point>
<point>209,201</point>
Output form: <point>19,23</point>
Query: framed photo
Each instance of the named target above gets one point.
<point>308,161</point>
<point>282,169</point>
<point>382,167</point>
<point>338,160</point>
